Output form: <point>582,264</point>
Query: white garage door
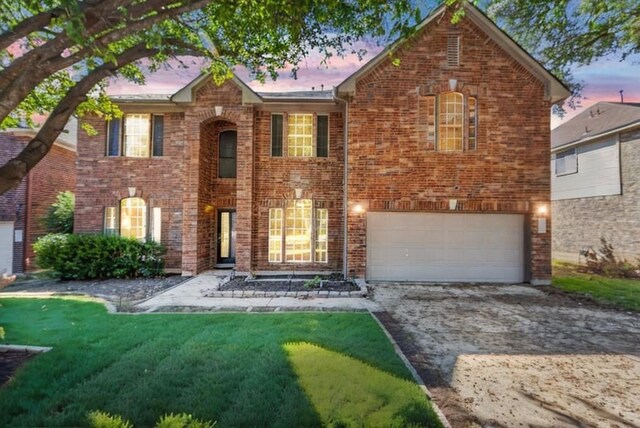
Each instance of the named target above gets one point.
<point>445,247</point>
<point>6,246</point>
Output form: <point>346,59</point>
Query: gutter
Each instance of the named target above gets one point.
<point>345,194</point>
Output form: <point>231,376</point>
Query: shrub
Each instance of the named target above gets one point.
<point>99,419</point>
<point>605,262</point>
<point>98,256</point>
<point>59,218</point>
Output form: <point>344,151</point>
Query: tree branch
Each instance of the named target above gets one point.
<point>28,26</point>
<point>17,168</point>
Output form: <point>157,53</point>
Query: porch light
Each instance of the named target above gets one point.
<point>358,209</point>
<point>543,210</point>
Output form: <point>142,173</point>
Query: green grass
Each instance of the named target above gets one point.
<point>232,368</point>
<point>624,293</point>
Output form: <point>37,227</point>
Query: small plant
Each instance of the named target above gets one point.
<point>98,419</point>
<point>313,283</point>
<point>59,218</point>
<point>605,262</point>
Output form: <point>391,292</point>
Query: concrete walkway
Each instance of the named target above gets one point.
<point>193,294</point>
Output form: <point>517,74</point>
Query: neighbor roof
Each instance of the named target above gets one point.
<point>599,120</point>
<point>297,96</point>
<point>555,90</point>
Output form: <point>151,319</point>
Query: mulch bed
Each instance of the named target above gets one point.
<point>10,361</point>
<point>286,284</point>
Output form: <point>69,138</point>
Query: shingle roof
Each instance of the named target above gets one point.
<point>601,118</point>
<point>297,95</point>
<point>150,98</point>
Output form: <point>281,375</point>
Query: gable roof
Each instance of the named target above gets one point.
<point>187,94</point>
<point>599,120</point>
<point>555,90</point>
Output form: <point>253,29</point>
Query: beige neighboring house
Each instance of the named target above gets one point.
<point>595,181</point>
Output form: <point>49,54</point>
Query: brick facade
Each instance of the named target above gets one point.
<point>580,223</point>
<point>28,204</point>
<point>392,166</point>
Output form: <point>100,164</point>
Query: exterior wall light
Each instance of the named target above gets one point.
<point>543,210</point>
<point>358,209</point>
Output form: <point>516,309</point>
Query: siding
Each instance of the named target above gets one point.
<point>598,172</point>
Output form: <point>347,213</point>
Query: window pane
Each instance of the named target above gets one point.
<point>450,122</point>
<point>322,137</point>
<point>158,135</point>
<point>227,154</point>
<point>322,236</point>
<point>567,162</point>
<point>298,231</point>
<point>136,135</point>
<point>276,134</point>
<point>110,224</point>
<point>113,137</point>
<point>473,123</point>
<point>275,235</point>
<point>133,218</point>
<point>300,136</point>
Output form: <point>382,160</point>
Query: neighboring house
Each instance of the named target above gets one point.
<point>447,156</point>
<point>595,166</point>
<point>22,209</point>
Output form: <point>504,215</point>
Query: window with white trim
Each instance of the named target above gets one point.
<point>298,233</point>
<point>303,135</point>
<point>567,162</point>
<point>451,122</point>
<point>133,218</point>
<point>136,135</point>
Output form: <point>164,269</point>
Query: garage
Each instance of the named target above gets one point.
<point>447,247</point>
<point>6,246</point>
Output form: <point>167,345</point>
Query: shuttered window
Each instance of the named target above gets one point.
<point>322,136</point>
<point>158,135</point>
<point>113,137</point>
<point>276,134</point>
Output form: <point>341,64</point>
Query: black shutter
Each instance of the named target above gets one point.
<point>158,135</point>
<point>322,138</point>
<point>276,134</point>
<point>113,137</point>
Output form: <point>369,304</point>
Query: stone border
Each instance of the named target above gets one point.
<point>215,292</point>
<point>25,348</point>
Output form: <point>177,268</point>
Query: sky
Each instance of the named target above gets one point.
<point>602,79</point>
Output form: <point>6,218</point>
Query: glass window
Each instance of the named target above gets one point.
<point>473,123</point>
<point>450,122</point>
<point>227,154</point>
<point>137,129</point>
<point>298,226</point>
<point>275,235</point>
<point>276,135</point>
<point>113,137</point>
<point>322,137</point>
<point>158,135</point>
<point>567,162</point>
<point>300,135</point>
<point>133,218</point>
<point>322,228</point>
<point>110,221</point>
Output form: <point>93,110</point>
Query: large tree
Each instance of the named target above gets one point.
<point>56,54</point>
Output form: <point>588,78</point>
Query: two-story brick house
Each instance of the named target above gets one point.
<point>436,169</point>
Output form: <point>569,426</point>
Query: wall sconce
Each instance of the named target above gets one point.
<point>542,211</point>
<point>218,110</point>
<point>453,84</point>
<point>358,209</point>
<point>132,192</point>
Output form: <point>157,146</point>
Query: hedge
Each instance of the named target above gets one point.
<point>71,256</point>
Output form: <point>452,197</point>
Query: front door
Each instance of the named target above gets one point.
<point>226,236</point>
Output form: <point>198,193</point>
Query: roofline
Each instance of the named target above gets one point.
<point>597,136</point>
<point>29,132</point>
<point>186,94</point>
<point>555,90</point>
<point>297,100</point>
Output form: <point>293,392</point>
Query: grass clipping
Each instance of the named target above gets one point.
<point>349,393</point>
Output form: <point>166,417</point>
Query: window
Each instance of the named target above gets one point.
<point>136,135</point>
<point>227,149</point>
<point>133,218</point>
<point>300,231</point>
<point>567,162</point>
<point>301,141</point>
<point>275,235</point>
<point>473,123</point>
<point>110,221</point>
<point>449,122</point>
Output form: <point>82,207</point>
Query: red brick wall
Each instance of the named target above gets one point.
<point>34,195</point>
<point>103,181</point>
<point>391,166</point>
<point>54,174</point>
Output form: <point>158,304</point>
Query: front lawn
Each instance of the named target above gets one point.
<point>624,293</point>
<point>237,369</point>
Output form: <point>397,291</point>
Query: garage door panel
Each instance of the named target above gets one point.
<point>445,247</point>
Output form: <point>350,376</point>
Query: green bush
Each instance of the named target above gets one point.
<point>98,256</point>
<point>99,419</point>
<point>59,218</point>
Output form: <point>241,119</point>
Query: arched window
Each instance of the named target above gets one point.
<point>133,218</point>
<point>451,122</point>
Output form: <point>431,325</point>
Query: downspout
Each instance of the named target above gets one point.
<point>345,195</point>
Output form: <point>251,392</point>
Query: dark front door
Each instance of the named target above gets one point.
<point>226,236</point>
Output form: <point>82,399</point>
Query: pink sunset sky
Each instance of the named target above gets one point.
<point>602,79</point>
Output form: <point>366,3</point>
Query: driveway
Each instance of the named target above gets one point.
<point>518,356</point>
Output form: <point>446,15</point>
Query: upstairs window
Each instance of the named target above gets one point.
<point>450,121</point>
<point>304,135</point>
<point>136,135</point>
<point>567,162</point>
<point>227,149</point>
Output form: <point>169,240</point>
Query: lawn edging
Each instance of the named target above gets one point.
<point>413,371</point>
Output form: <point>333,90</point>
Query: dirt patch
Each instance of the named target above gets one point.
<point>289,284</point>
<point>10,361</point>
<point>118,291</point>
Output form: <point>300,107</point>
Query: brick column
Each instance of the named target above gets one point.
<point>191,185</point>
<point>244,191</point>
<point>540,251</point>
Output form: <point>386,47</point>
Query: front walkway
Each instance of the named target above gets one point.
<point>195,293</point>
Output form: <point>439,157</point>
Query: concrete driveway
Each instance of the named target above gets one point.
<point>518,356</point>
